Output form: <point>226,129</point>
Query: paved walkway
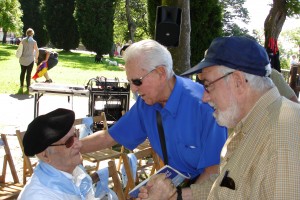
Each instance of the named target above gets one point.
<point>17,111</point>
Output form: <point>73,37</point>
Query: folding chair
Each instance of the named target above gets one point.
<point>28,162</point>
<point>145,155</point>
<point>142,146</point>
<point>113,173</point>
<point>8,190</point>
<point>101,155</point>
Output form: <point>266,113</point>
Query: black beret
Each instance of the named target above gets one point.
<point>46,130</point>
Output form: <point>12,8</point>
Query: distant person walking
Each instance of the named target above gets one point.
<point>30,50</point>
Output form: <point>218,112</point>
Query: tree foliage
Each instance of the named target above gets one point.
<point>33,18</point>
<point>293,36</point>
<point>61,24</point>
<point>130,20</point>
<point>233,10</point>
<point>95,22</point>
<point>206,16</point>
<point>151,11</point>
<point>10,17</point>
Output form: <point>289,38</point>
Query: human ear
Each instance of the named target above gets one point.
<point>161,70</point>
<point>239,81</point>
<point>44,156</point>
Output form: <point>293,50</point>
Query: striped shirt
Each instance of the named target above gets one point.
<point>262,156</point>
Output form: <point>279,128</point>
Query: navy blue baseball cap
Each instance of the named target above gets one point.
<point>239,53</point>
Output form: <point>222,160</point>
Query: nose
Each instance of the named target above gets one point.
<point>206,97</point>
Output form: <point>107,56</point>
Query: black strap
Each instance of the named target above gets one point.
<point>162,137</point>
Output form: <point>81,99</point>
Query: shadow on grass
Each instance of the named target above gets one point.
<point>5,55</point>
<point>9,46</point>
<point>21,96</point>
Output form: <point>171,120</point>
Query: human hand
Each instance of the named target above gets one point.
<point>143,194</point>
<point>158,187</point>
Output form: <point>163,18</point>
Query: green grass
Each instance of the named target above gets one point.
<point>72,68</point>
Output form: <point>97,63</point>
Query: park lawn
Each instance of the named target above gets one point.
<point>76,67</point>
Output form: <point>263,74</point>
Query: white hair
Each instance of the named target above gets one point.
<point>257,83</point>
<point>150,55</point>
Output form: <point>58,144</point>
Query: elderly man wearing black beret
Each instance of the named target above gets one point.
<point>261,158</point>
<point>59,174</point>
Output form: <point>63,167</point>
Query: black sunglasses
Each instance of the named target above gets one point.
<point>138,81</point>
<point>70,140</point>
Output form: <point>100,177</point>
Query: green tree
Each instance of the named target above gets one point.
<point>95,22</point>
<point>206,21</point>
<point>130,20</point>
<point>294,37</point>
<point>280,9</point>
<point>120,23</point>
<point>10,17</point>
<point>61,24</point>
<point>151,11</point>
<point>233,10</point>
<point>33,18</point>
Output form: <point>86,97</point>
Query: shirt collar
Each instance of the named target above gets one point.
<point>174,98</point>
<point>258,112</point>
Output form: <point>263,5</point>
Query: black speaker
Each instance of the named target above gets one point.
<point>168,21</point>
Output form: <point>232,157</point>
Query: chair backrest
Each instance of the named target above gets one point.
<point>8,190</point>
<point>145,154</point>
<point>7,159</point>
<point>27,164</point>
<point>98,118</point>
<point>113,173</point>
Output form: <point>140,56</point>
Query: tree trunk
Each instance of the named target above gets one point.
<point>4,36</point>
<point>181,54</point>
<point>273,26</point>
<point>275,20</point>
<point>130,22</point>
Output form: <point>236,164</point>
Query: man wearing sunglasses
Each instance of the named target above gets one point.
<point>193,138</point>
<point>59,173</point>
<point>261,158</point>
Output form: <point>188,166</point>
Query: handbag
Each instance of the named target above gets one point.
<point>19,51</point>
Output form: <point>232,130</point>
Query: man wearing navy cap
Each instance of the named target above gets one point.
<point>261,158</point>
<point>59,174</point>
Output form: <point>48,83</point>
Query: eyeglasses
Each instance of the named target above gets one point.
<point>206,86</point>
<point>138,81</point>
<point>70,140</point>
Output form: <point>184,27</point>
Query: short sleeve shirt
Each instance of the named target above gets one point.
<point>193,138</point>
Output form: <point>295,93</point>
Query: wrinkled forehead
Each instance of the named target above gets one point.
<point>210,72</point>
<point>135,66</point>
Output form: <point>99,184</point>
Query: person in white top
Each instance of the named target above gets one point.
<point>293,61</point>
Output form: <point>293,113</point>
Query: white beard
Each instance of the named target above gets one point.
<point>228,117</point>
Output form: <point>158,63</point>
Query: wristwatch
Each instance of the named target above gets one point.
<point>179,193</point>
